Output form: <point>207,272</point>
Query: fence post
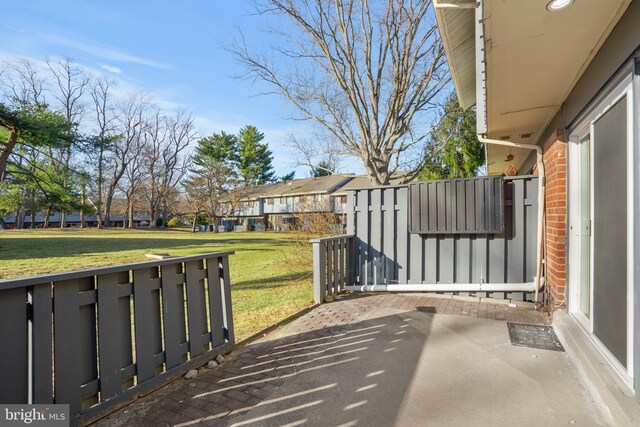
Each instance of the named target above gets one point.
<point>350,261</point>
<point>319,270</point>
<point>227,309</point>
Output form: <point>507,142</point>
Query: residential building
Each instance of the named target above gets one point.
<point>278,206</point>
<point>72,219</point>
<point>556,85</point>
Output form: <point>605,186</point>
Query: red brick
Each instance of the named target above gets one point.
<point>554,159</point>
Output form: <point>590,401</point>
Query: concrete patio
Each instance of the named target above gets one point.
<point>380,360</point>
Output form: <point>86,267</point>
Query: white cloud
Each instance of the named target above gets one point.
<point>206,122</point>
<point>102,51</point>
<point>110,68</point>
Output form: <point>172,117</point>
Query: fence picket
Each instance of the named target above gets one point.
<point>385,250</point>
<point>42,343</point>
<point>148,329</point>
<point>85,318</point>
<point>13,335</point>
<point>110,343</point>
<point>196,306</point>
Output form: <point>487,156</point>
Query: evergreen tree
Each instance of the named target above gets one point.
<point>288,177</point>
<point>254,158</point>
<point>31,125</point>
<point>454,150</point>
<point>221,147</point>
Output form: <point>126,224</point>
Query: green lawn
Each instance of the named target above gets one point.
<point>267,284</point>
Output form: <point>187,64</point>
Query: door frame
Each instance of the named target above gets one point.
<point>575,218</point>
<point>614,92</point>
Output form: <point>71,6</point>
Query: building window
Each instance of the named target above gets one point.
<point>270,201</point>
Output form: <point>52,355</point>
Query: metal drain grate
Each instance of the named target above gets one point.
<point>534,336</point>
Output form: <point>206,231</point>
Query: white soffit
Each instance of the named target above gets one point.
<point>534,58</point>
<point>458,36</point>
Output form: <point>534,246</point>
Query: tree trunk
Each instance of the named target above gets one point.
<point>164,215</point>
<point>153,214</point>
<point>100,182</point>
<point>46,217</point>
<point>63,218</point>
<point>130,213</point>
<point>152,206</point>
<point>193,227</point>
<point>107,210</point>
<point>20,218</point>
<point>82,202</point>
<point>4,154</point>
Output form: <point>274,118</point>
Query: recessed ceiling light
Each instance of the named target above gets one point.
<point>558,4</point>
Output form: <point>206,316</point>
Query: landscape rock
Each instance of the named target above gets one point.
<point>191,374</point>
<point>219,358</point>
<point>211,364</point>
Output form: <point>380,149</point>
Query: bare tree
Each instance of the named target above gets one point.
<point>70,82</point>
<point>317,153</point>
<point>101,93</point>
<point>130,123</point>
<point>212,190</point>
<point>133,180</point>
<point>155,135</point>
<point>365,73</point>
<point>23,82</point>
<point>168,138</point>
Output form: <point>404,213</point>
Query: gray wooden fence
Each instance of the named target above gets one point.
<point>333,262</point>
<point>384,252</point>
<point>95,339</point>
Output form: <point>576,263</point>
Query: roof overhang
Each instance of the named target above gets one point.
<point>533,59</point>
<point>457,31</point>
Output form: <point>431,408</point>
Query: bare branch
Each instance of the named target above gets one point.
<point>368,74</point>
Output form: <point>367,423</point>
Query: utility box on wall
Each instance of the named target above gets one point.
<point>457,206</point>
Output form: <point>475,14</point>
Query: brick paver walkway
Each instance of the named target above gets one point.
<point>251,374</point>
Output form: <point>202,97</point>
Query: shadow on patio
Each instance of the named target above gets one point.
<point>377,361</point>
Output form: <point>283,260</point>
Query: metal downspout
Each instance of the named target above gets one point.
<point>541,201</point>
<point>482,130</point>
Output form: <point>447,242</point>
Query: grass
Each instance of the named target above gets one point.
<point>266,285</point>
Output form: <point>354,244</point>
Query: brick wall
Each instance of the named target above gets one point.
<point>555,165</point>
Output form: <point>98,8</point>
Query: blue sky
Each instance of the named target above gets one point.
<point>173,49</point>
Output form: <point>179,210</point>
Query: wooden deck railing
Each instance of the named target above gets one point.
<point>333,263</point>
<point>95,339</point>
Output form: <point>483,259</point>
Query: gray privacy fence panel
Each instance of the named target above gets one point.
<point>469,205</point>
<point>95,339</point>
<point>385,252</point>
